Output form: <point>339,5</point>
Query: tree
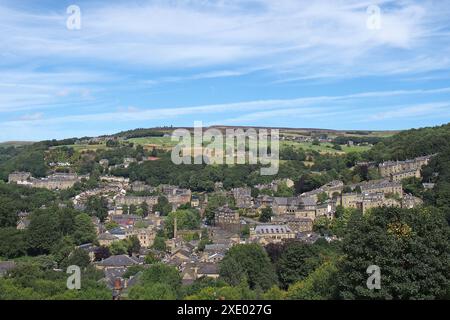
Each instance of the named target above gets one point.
<point>274,293</point>
<point>78,257</point>
<point>8,213</point>
<point>266,215</point>
<point>322,197</point>
<point>43,232</point>
<point>111,225</point>
<point>12,243</point>
<point>163,206</point>
<point>145,209</point>
<point>98,207</point>
<point>102,253</point>
<point>322,225</point>
<point>297,260</point>
<point>157,291</point>
<point>186,220</point>
<point>119,247</point>
<point>132,209</point>
<point>159,243</point>
<point>62,249</point>
<point>161,273</point>
<point>84,229</point>
<point>284,191</point>
<point>150,258</point>
<point>319,285</point>
<point>241,292</point>
<point>411,248</point>
<point>248,262</point>
<point>134,245</point>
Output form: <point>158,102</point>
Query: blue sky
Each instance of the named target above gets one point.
<point>285,63</point>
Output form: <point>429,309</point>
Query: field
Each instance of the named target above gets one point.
<point>84,147</point>
<point>163,142</point>
<point>324,147</point>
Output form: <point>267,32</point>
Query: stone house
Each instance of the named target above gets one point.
<point>227,219</point>
<point>265,234</point>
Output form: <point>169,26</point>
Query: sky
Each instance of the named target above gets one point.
<point>355,64</point>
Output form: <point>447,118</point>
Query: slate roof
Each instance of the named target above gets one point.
<point>119,261</point>
<point>263,229</point>
<point>208,268</point>
<point>107,236</point>
<point>282,201</point>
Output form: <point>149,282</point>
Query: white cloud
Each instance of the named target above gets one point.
<point>306,38</point>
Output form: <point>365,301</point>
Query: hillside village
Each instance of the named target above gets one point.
<point>134,211</point>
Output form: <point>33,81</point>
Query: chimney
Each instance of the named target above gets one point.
<point>117,289</point>
<point>175,227</point>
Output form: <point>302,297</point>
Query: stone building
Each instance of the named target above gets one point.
<point>227,219</point>
<point>365,201</point>
<point>285,205</point>
<point>56,181</point>
<point>398,177</point>
<point>242,197</point>
<point>389,168</point>
<point>16,177</point>
<point>146,236</point>
<point>335,186</point>
<point>376,186</point>
<point>175,195</point>
<point>270,233</point>
<point>136,200</point>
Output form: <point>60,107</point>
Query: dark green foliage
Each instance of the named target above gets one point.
<point>159,243</point>
<point>186,220</point>
<point>250,263</point>
<point>43,232</point>
<point>411,247</point>
<point>12,243</point>
<point>98,207</point>
<point>412,143</point>
<point>266,215</point>
<point>163,206</point>
<point>37,281</point>
<point>78,257</point>
<point>15,199</point>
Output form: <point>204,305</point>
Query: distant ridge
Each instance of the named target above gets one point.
<point>15,143</point>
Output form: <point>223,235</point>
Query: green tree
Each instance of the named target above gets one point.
<point>134,245</point>
<point>163,206</point>
<point>186,220</point>
<point>118,247</point>
<point>411,247</point>
<point>159,243</point>
<point>296,261</point>
<point>322,197</point>
<point>84,229</point>
<point>161,273</point>
<point>78,257</point>
<point>98,207</point>
<point>248,262</point>
<point>12,243</point>
<point>157,291</point>
<point>266,215</point>
<point>43,232</point>
<point>319,285</point>
<point>151,258</point>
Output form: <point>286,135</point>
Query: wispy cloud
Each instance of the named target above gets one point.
<point>105,72</point>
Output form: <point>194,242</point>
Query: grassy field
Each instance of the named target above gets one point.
<point>84,147</point>
<point>324,147</point>
<point>163,142</point>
